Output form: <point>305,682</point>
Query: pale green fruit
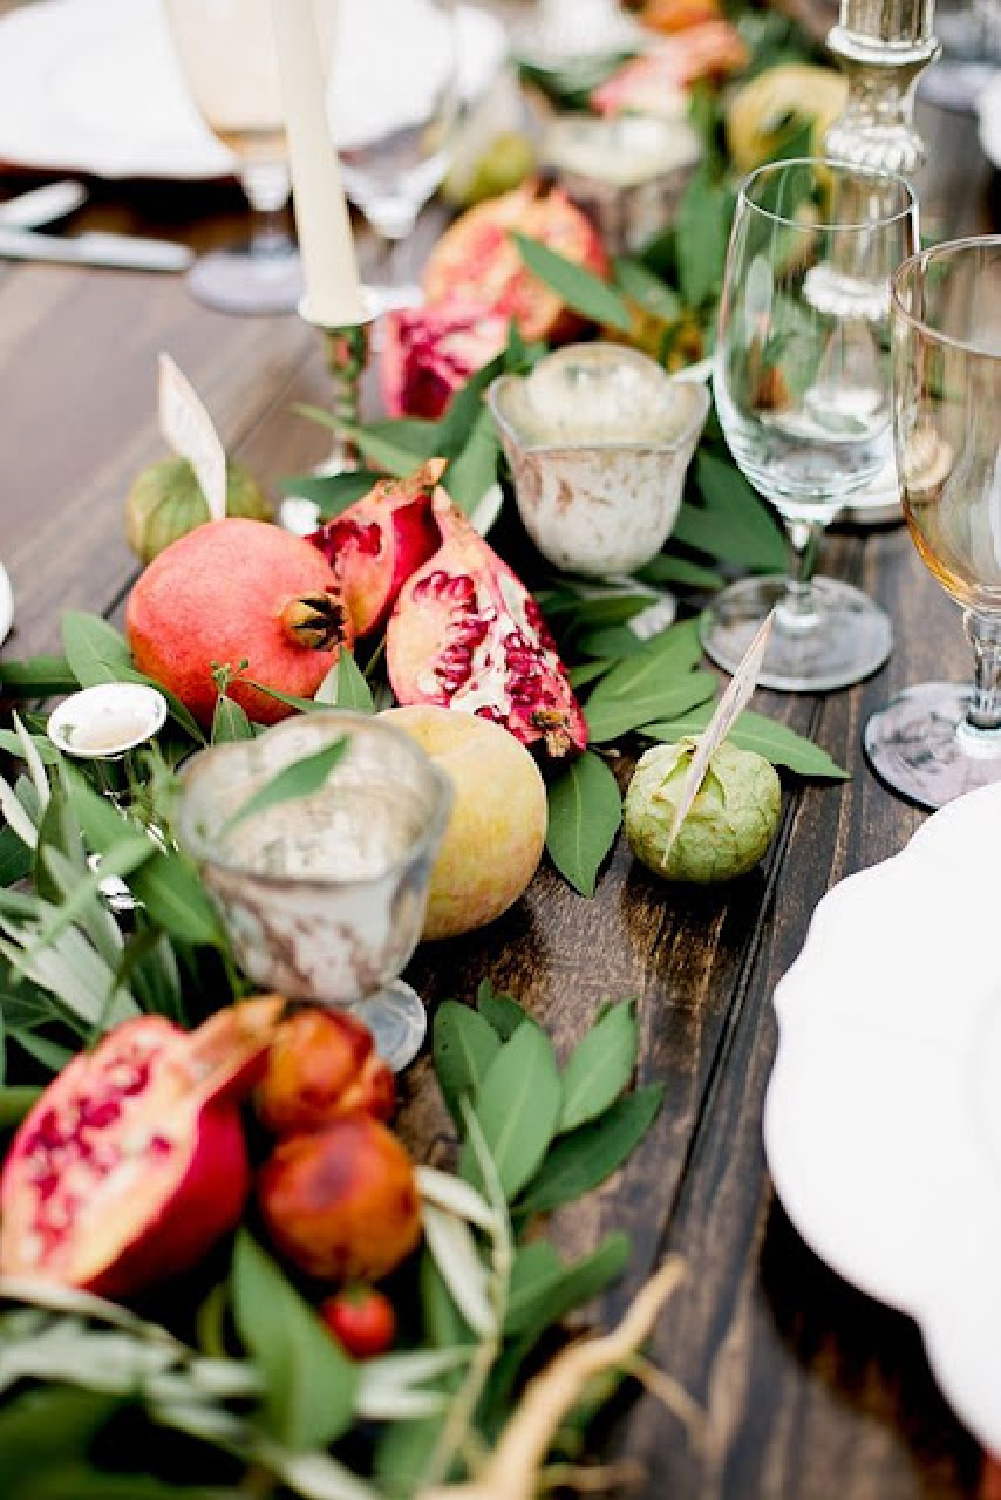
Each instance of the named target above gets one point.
<point>727,829</point>
<point>165,503</point>
<point>504,165</point>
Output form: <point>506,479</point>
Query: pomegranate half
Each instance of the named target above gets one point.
<point>133,1162</point>
<point>465,633</point>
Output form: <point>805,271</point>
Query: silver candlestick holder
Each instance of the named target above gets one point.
<point>347,350</point>
<point>882,46</point>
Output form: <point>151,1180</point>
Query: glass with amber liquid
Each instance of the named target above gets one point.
<point>940,739</point>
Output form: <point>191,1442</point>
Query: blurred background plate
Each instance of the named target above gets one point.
<point>92,86</point>
<point>6,604</point>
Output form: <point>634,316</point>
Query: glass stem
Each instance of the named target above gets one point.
<point>267,186</point>
<point>797,609</point>
<point>984,635</point>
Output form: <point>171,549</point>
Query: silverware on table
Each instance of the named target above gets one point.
<point>115,251</point>
<point>42,205</point>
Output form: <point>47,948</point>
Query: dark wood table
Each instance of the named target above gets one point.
<point>809,1388</point>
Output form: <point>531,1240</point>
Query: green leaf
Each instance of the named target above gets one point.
<point>678,570</point>
<point>642,286</point>
<point>16,858</point>
<point>517,1105</point>
<point>310,1384</point>
<point>303,705</point>
<point>38,677</point>
<point>345,687</point>
<point>585,812</point>
<point>95,650</point>
<point>472,473</point>
<point>167,885</point>
<point>383,451</point>
<point>11,743</point>
<point>672,653</point>
<point>301,779</point>
<point>737,526</point>
<point>588,672</point>
<point>230,722</point>
<point>504,1013</point>
<point>600,1067</point>
<point>15,1102</point>
<point>46,1425</point>
<point>454,429</point>
<point>333,493</point>
<point>582,1160</point>
<point>465,1044</point>
<point>49,1054</point>
<point>703,229</point>
<point>612,717</point>
<point>579,289</point>
<point>539,1297</point>
<point>776,742</point>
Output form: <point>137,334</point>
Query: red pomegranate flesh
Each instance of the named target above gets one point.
<point>465,633</point>
<point>375,545</point>
<point>133,1162</point>
<point>429,353</point>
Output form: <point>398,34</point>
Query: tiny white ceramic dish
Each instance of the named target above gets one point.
<point>6,604</point>
<point>882,1122</point>
<point>599,438</point>
<point>100,723</point>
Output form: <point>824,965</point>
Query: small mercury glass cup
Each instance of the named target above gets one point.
<point>324,896</point>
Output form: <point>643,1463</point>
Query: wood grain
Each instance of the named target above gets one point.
<point>809,1389</point>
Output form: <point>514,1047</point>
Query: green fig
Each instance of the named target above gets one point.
<point>166,502</point>
<point>727,828</point>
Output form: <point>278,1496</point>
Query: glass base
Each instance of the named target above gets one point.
<point>397,1020</point>
<point>844,639</point>
<point>235,281</point>
<point>922,746</point>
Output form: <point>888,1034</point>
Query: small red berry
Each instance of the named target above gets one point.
<point>362,1320</point>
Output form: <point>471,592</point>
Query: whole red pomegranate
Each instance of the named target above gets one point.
<point>342,1202</point>
<point>465,633</point>
<point>133,1163</point>
<point>428,353</point>
<point>234,591</point>
<point>374,545</point>
<point>476,259</point>
<point>322,1064</point>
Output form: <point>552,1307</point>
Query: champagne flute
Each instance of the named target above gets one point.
<point>940,739</point>
<point>803,391</point>
<point>226,49</point>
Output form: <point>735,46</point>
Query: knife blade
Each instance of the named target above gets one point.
<point>113,251</point>
<point>42,205</point>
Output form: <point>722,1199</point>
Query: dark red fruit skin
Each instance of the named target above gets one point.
<point>362,1320</point>
<point>375,545</point>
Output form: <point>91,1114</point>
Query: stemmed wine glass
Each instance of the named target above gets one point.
<point>940,739</point>
<point>226,49</point>
<point>803,391</point>
<point>394,103</point>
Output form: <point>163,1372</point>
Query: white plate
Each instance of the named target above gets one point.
<point>883,1116</point>
<point>93,86</point>
<point>6,605</point>
<point>989,110</point>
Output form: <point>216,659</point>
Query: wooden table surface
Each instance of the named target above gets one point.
<point>809,1388</point>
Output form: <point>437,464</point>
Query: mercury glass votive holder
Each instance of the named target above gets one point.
<point>324,896</point>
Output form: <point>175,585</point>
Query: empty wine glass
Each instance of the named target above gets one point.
<point>940,739</point>
<point>324,896</point>
<point>803,391</point>
<point>226,49</point>
<point>394,101</point>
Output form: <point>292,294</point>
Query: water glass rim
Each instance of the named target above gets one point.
<point>830,164</point>
<point>945,250</point>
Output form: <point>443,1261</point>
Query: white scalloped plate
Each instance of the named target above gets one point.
<point>6,605</point>
<point>883,1117</point>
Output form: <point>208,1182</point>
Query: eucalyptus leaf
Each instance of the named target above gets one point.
<point>333,493</point>
<point>382,451</point>
<point>703,228</point>
<point>468,478</point>
<point>95,650</point>
<point>15,857</point>
<point>580,1161</point>
<point>735,526</point>
<point>456,1196</point>
<point>612,716</point>
<point>585,813</point>
<point>301,779</point>
<point>540,1301</point>
<point>37,677</point>
<point>310,1384</point>
<point>50,1054</point>
<point>465,1045</point>
<point>15,1102</point>
<point>45,1425</point>
<point>504,1013</point>
<point>450,1243</point>
<point>582,676</point>
<point>776,742</point>
<point>600,1067</point>
<point>230,722</point>
<point>345,686</point>
<point>672,653</point>
<point>301,705</point>
<point>579,288</point>
<point>641,285</point>
<point>666,568</point>
<point>517,1106</point>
